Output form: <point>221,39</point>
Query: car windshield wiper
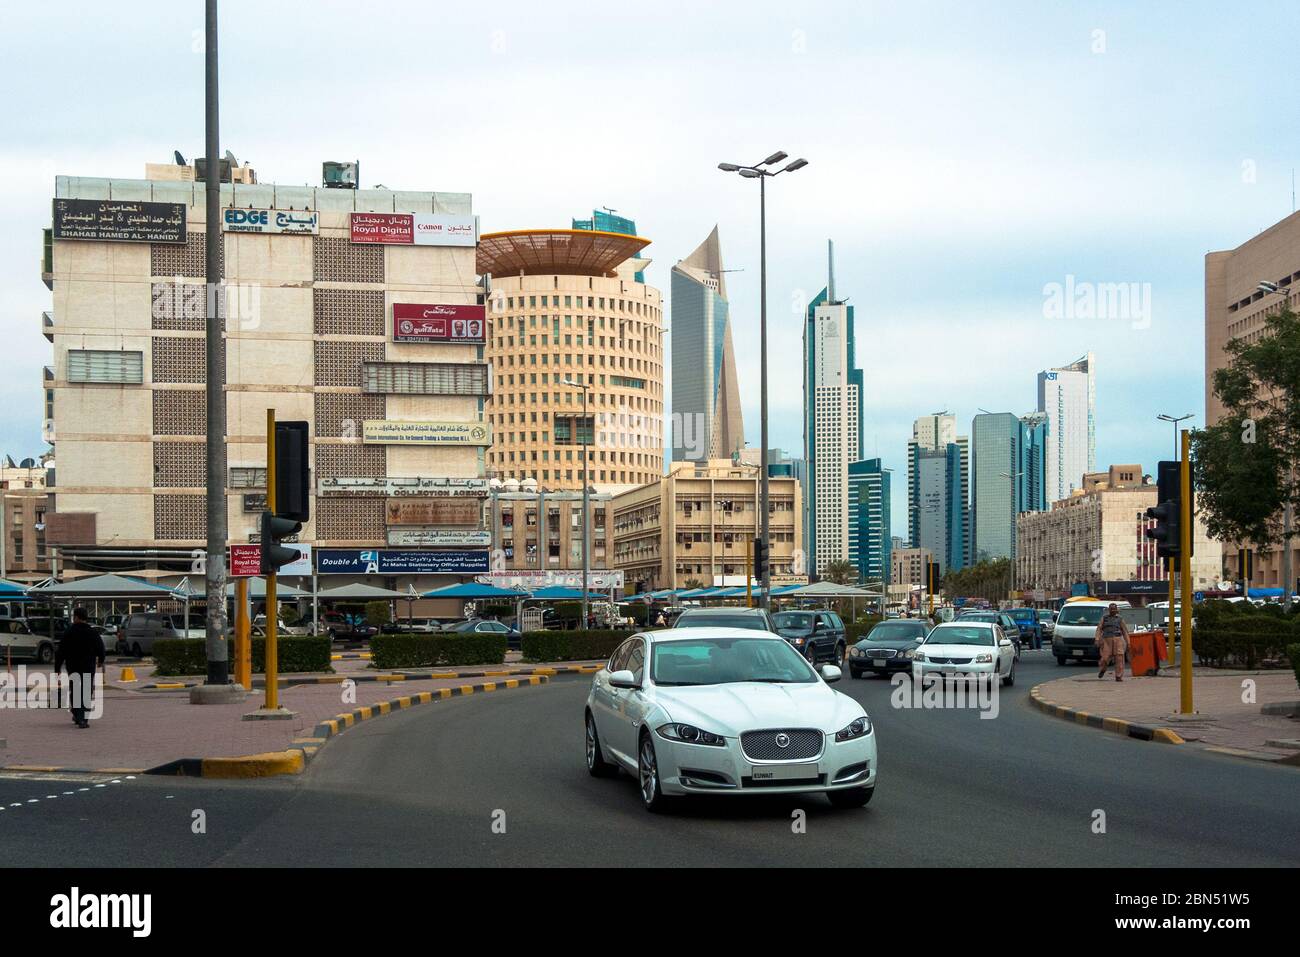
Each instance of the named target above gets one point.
<point>679,684</point>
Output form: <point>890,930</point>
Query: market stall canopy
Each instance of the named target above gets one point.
<point>10,589</point>
<point>256,591</point>
<point>360,592</point>
<point>105,586</point>
<point>474,590</point>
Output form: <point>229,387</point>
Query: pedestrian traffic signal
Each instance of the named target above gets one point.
<point>275,530</point>
<point>1165,534</point>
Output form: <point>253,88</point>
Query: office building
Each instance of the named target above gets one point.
<point>1236,308</point>
<point>538,530</point>
<point>1036,431</point>
<point>938,489</point>
<point>998,485</point>
<point>24,556</point>
<point>698,523</point>
<point>870,541</point>
<point>706,417</point>
<point>568,307</point>
<point>1097,537</point>
<point>908,566</point>
<point>1067,396</point>
<point>355,310</point>
<point>832,422</point>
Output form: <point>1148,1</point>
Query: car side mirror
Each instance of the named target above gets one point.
<point>1005,641</point>
<point>830,673</point>
<point>624,679</point>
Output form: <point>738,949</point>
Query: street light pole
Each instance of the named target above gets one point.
<point>218,672</point>
<point>761,173</point>
<point>586,502</point>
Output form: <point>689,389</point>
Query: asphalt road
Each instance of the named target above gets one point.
<point>437,785</point>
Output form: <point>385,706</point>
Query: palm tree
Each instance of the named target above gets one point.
<point>841,573</point>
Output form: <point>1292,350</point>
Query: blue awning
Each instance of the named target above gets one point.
<point>474,590</point>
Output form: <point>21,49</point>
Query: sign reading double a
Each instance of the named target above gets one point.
<point>390,432</point>
<point>269,221</point>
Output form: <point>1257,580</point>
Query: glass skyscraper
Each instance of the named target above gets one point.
<point>1006,470</point>
<point>870,541</point>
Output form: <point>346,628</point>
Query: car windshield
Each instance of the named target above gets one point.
<point>1044,616</point>
<point>1081,614</point>
<point>979,616</point>
<point>895,630</point>
<point>706,620</point>
<point>960,636</point>
<point>794,620</point>
<point>715,661</point>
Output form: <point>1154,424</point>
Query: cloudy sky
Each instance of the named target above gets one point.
<point>962,159</point>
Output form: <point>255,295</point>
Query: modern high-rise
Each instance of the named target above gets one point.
<point>870,541</point>
<point>1068,397</point>
<point>706,416</point>
<point>1236,308</point>
<point>998,492</point>
<point>568,307</point>
<point>938,489</point>
<point>832,423</point>
<point>1037,429</point>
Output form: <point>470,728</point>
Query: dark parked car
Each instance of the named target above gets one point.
<point>756,619</point>
<point>818,635</point>
<point>886,646</point>
<point>1000,618</point>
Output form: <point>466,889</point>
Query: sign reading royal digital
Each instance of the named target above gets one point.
<point>414,229</point>
<point>417,322</point>
<point>270,221</point>
<point>119,221</point>
<point>389,432</point>
<point>350,561</point>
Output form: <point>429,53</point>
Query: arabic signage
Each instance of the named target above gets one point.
<point>417,322</point>
<point>245,561</point>
<point>121,221</point>
<point>389,432</point>
<point>444,537</point>
<point>391,487</point>
<point>254,502</point>
<point>354,561</point>
<point>414,229</point>
<point>531,580</point>
<point>433,511</point>
<point>270,221</point>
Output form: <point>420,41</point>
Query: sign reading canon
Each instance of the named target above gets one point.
<point>354,561</point>
<point>122,221</point>
<point>419,322</point>
<point>270,221</point>
<point>414,229</point>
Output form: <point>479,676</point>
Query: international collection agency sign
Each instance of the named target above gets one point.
<point>389,432</point>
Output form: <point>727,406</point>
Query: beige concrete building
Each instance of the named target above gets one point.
<point>568,306</point>
<point>356,310</point>
<point>24,556</point>
<point>1235,308</point>
<point>1099,535</point>
<point>908,565</point>
<point>698,523</point>
<point>537,529</point>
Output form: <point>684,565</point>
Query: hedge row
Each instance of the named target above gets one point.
<point>1293,652</point>
<point>188,656</point>
<point>436,650</point>
<point>1239,634</point>
<point>857,630</point>
<point>572,645</point>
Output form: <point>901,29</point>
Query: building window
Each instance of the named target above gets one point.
<point>425,378</point>
<point>104,366</point>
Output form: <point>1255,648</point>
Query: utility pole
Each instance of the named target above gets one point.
<point>218,673</point>
<point>1185,558</point>
<point>586,493</point>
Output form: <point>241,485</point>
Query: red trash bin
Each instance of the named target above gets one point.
<point>1142,654</point>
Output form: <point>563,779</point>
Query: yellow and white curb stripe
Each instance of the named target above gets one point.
<point>1116,725</point>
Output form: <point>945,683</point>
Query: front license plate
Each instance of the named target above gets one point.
<point>1077,651</point>
<point>784,772</point>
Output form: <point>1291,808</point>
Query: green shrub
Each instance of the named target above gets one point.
<point>1241,634</point>
<point>857,630</point>
<point>1293,653</point>
<point>437,650</point>
<point>378,613</point>
<point>575,645</point>
<point>188,656</point>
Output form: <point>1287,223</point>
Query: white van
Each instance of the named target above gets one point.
<point>1076,628</point>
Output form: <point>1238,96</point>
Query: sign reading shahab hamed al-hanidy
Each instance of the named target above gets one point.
<point>390,432</point>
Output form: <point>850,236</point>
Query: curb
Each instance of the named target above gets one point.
<point>300,752</point>
<point>1142,732</point>
<point>401,675</point>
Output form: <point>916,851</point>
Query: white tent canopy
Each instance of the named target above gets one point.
<point>106,586</point>
<point>362,591</point>
<point>831,590</point>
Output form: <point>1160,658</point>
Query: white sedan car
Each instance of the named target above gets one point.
<point>726,711</point>
<point>957,648</point>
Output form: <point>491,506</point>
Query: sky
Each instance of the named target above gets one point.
<point>963,157</point>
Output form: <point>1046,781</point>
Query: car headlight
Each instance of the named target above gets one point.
<point>915,654</point>
<point>855,652</point>
<point>983,659</point>
<point>797,641</point>
<point>689,734</point>
<point>856,729</point>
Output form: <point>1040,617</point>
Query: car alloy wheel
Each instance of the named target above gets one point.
<point>597,766</point>
<point>648,776</point>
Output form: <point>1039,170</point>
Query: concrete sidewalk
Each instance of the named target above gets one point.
<point>1222,721</point>
<point>142,729</point>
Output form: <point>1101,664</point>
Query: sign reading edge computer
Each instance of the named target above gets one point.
<point>358,561</point>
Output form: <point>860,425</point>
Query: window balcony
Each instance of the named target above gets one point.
<point>47,326</point>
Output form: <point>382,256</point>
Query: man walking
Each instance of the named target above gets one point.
<point>1112,640</point>
<point>83,652</point>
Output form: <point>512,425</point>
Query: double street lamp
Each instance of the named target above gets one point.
<point>761,172</point>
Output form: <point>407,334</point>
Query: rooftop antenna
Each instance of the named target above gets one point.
<point>830,271</point>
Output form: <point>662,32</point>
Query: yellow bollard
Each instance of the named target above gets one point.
<point>128,674</point>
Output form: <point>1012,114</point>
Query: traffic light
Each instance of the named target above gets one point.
<point>292,471</point>
<point>760,557</point>
<point>1246,563</point>
<point>275,530</point>
<point>933,578</point>
<point>1165,534</point>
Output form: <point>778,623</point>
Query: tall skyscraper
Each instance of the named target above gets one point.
<point>1068,397</point>
<point>706,418</point>
<point>870,542</point>
<point>1004,469</point>
<point>1037,428</point>
<point>938,501</point>
<point>832,422</point>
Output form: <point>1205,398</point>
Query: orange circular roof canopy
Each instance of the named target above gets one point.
<point>565,252</point>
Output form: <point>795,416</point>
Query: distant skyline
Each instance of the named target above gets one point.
<point>968,166</point>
